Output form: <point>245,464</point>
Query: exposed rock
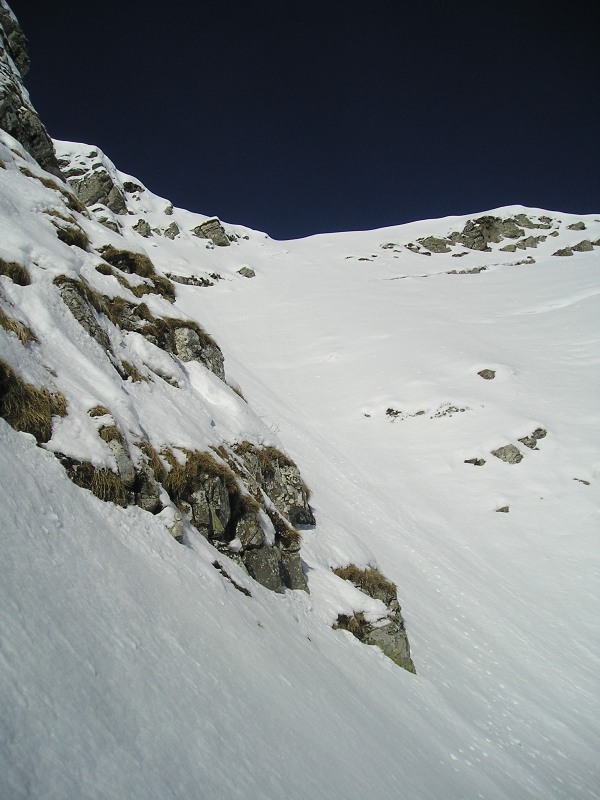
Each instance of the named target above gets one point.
<point>111,224</point>
<point>147,489</point>
<point>564,251</point>
<point>477,462</point>
<point>388,633</point>
<point>172,231</point>
<point>487,374</point>
<point>577,226</point>
<point>584,247</point>
<point>472,271</point>
<point>435,244</point>
<point>96,187</point>
<point>581,480</point>
<point>530,241</point>
<point>130,187</point>
<point>479,233</point>
<point>292,572</point>
<point>188,280</point>
<point>532,440</point>
<point>73,298</point>
<point>188,347</point>
<point>509,248</point>
<point>508,453</point>
<point>212,229</point>
<point>247,272</point>
<point>17,115</point>
<point>143,228</point>
<point>249,532</point>
<point>503,510</point>
<point>169,210</point>
<point>281,481</point>
<point>264,565</point>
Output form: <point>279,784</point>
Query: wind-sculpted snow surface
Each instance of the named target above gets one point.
<point>419,379</point>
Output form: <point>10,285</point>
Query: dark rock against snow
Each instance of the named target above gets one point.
<point>508,453</point>
<point>247,272</point>
<point>212,229</point>
<point>388,633</point>
<point>577,226</point>
<point>487,374</point>
<point>533,438</point>
<point>564,251</point>
<point>584,247</point>
<point>17,115</point>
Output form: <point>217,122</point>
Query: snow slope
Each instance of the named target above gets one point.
<point>132,668</point>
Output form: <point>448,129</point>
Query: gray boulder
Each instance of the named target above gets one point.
<point>73,297</point>
<point>143,228</point>
<point>95,186</point>
<point>508,453</point>
<point>584,247</point>
<point>188,346</point>
<point>264,565</point>
<point>212,229</point>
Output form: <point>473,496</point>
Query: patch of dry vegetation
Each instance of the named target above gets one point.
<point>138,264</point>
<point>71,201</point>
<point>16,272</point>
<point>129,370</point>
<point>102,482</point>
<point>370,581</point>
<point>73,235</point>
<point>22,331</point>
<point>356,624</point>
<point>26,407</point>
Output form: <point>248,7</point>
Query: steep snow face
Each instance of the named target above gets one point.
<point>133,668</point>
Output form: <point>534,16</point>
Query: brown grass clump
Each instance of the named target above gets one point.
<point>184,478</point>
<point>104,483</point>
<point>16,272</point>
<point>111,433</point>
<point>98,411</point>
<point>356,624</point>
<point>130,370</point>
<point>370,581</point>
<point>128,261</point>
<point>104,269</point>
<point>138,264</point>
<point>154,460</point>
<point>52,212</point>
<point>24,333</point>
<point>71,201</point>
<point>26,407</point>
<point>73,235</point>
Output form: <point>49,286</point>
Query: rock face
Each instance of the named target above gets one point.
<point>89,177</point>
<point>17,115</point>
<point>479,233</point>
<point>280,479</point>
<point>188,346</point>
<point>387,633</point>
<point>212,229</point>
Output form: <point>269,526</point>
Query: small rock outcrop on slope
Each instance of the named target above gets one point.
<point>388,633</point>
<point>17,115</point>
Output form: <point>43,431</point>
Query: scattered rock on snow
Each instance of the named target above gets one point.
<point>487,374</point>
<point>532,440</point>
<point>508,453</point>
<point>477,462</point>
<point>247,272</point>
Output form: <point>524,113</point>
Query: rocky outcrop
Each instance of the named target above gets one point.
<point>280,479</point>
<point>389,632</point>
<point>508,453</point>
<point>17,115</point>
<point>221,504</point>
<point>212,229</point>
<point>90,179</point>
<point>478,234</point>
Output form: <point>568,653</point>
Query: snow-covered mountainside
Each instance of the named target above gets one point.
<point>226,459</point>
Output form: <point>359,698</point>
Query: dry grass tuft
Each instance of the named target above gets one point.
<point>370,581</point>
<point>26,407</point>
<point>104,483</point>
<point>73,235</point>
<point>129,370</point>
<point>356,624</point>
<point>71,201</point>
<point>154,460</point>
<point>24,333</point>
<point>138,264</point>
<point>16,272</point>
<point>184,478</point>
<point>104,269</point>
<point>110,434</point>
<point>98,411</point>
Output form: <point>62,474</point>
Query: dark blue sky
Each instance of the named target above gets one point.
<point>302,117</point>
